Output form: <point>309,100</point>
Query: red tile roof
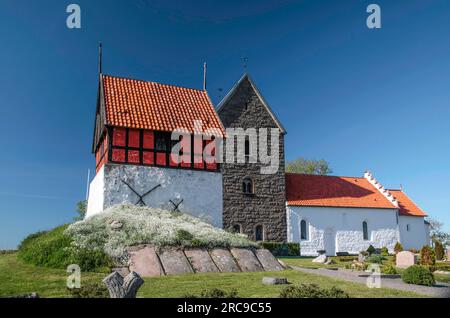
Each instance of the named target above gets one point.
<point>313,190</point>
<point>407,206</point>
<point>148,105</point>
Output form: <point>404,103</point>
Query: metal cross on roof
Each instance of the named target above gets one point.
<point>141,197</point>
<point>176,205</point>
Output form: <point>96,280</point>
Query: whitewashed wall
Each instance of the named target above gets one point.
<point>201,191</point>
<point>417,235</point>
<point>96,193</point>
<point>340,229</point>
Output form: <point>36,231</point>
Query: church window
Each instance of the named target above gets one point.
<point>365,231</point>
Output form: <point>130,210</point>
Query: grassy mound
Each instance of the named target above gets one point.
<point>54,249</point>
<point>126,225</point>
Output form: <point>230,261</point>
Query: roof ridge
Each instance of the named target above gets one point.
<point>158,83</point>
<point>320,175</point>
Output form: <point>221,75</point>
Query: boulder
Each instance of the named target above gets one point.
<point>274,281</point>
<point>174,261</point>
<point>405,259</point>
<point>320,259</point>
<point>201,261</point>
<point>268,261</point>
<point>224,260</point>
<point>144,261</point>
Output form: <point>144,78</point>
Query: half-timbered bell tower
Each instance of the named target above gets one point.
<point>133,148</point>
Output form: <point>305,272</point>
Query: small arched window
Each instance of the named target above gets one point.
<point>303,233</point>
<point>247,186</point>
<point>365,231</point>
<point>237,228</point>
<point>259,233</point>
<point>407,227</point>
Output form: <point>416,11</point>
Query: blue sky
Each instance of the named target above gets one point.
<point>359,98</point>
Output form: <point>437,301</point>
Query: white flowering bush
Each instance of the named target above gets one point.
<point>121,226</point>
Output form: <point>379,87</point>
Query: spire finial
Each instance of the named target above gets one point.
<point>99,58</point>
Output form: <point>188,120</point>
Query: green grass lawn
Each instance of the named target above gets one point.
<point>19,278</point>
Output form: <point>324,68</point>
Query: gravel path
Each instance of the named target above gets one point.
<point>441,290</point>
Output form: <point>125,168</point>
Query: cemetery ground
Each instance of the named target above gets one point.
<point>306,262</point>
<point>17,278</point>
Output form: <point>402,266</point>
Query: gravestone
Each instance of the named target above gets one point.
<point>145,262</point>
<point>174,261</point>
<point>246,260</point>
<point>201,260</point>
<point>405,259</point>
<point>448,255</point>
<point>268,261</point>
<point>224,260</point>
<point>361,258</point>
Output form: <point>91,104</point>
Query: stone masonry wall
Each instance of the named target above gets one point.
<point>267,206</point>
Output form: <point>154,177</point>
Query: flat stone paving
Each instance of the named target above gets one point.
<point>440,290</point>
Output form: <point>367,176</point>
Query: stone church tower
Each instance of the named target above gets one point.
<point>253,203</point>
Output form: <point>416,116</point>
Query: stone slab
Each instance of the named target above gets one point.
<point>174,261</point>
<point>274,281</point>
<point>224,260</point>
<point>448,255</point>
<point>246,260</point>
<point>268,261</point>
<point>405,259</point>
<point>145,262</point>
<point>201,261</point>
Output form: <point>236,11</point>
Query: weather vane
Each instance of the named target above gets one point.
<point>244,61</point>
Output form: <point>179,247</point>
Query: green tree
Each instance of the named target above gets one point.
<point>308,166</point>
<point>437,233</point>
<point>81,210</point>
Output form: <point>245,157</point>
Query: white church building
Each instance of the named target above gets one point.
<point>348,214</point>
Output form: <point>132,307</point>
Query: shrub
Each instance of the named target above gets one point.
<point>427,256</point>
<point>342,254</point>
<point>389,270</point>
<point>95,290</point>
<point>214,293</point>
<point>398,248</point>
<point>414,251</point>
<point>418,275</point>
<point>439,250</point>
<point>345,259</point>
<point>54,249</point>
<point>371,250</point>
<point>384,251</point>
<point>356,266</point>
<point>375,258</point>
<point>184,237</point>
<point>282,249</point>
<point>312,291</point>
